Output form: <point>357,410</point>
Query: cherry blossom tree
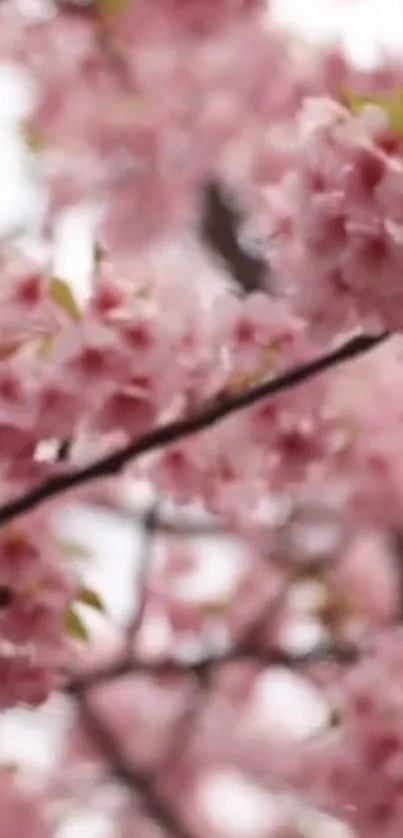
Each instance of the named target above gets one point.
<point>239,353</point>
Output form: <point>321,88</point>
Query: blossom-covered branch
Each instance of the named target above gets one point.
<point>167,434</point>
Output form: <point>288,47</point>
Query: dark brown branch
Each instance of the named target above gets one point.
<point>122,769</point>
<point>344,655</point>
<point>140,582</point>
<point>219,228</point>
<point>397,549</point>
<point>183,731</point>
<point>178,525</point>
<point>63,451</point>
<point>165,435</point>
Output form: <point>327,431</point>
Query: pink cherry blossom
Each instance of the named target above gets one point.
<point>21,811</point>
<point>338,228</point>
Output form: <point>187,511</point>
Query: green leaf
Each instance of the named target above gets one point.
<point>113,8</point>
<point>75,625</point>
<point>391,105</point>
<point>73,549</point>
<point>62,294</point>
<point>46,345</point>
<point>91,598</point>
<point>355,101</point>
<point>33,138</point>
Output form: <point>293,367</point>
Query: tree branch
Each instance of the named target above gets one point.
<point>167,434</point>
<point>140,581</point>
<point>344,655</point>
<point>183,732</point>
<point>177,525</point>
<point>126,772</point>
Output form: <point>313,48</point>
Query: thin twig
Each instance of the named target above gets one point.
<point>178,525</point>
<point>345,655</point>
<point>167,434</point>
<point>63,451</point>
<point>149,527</point>
<point>126,772</point>
<point>397,548</point>
<point>182,732</point>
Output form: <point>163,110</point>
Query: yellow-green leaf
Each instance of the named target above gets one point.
<point>271,355</point>
<point>46,345</point>
<point>73,549</point>
<point>75,625</point>
<point>91,598</point>
<point>33,138</point>
<point>112,8</point>
<point>391,105</point>
<point>355,101</point>
<point>214,609</point>
<point>62,294</point>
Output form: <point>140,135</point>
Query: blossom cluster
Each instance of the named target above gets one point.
<point>337,221</point>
